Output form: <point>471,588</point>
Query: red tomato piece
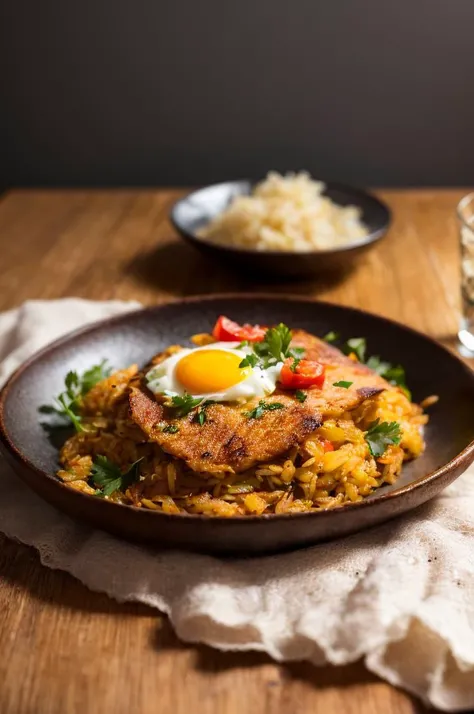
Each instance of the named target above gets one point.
<point>304,375</point>
<point>226,330</point>
<point>326,444</point>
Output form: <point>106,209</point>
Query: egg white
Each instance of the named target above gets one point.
<point>260,382</point>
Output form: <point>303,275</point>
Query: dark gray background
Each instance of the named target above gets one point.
<point>124,92</point>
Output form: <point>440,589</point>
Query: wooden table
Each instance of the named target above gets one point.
<point>66,650</point>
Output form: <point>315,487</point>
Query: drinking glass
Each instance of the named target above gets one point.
<point>466,231</point>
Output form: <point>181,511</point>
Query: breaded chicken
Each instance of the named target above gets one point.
<point>228,440</point>
<point>231,441</point>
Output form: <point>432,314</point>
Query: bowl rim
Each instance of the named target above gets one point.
<point>371,238</point>
<point>466,456</point>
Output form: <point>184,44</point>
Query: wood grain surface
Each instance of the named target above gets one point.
<point>66,650</point>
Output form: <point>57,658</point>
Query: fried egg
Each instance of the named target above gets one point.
<point>213,372</point>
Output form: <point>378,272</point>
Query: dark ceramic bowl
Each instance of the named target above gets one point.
<point>191,213</point>
<point>136,336</point>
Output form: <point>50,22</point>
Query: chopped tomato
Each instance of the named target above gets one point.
<point>226,330</point>
<point>301,374</point>
<point>327,445</point>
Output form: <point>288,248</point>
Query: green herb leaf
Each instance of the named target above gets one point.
<point>201,415</point>
<point>379,435</point>
<point>67,404</point>
<point>47,409</point>
<point>108,478</point>
<point>296,352</point>
<point>68,410</point>
<point>183,405</point>
<point>244,343</point>
<point>301,396</point>
<point>358,346</point>
<point>376,364</point>
<point>343,384</point>
<point>94,375</point>
<point>276,343</point>
<point>262,407</point>
<point>72,383</point>
<point>294,364</point>
<point>395,374</point>
<point>170,429</point>
<point>249,361</point>
<point>331,337</point>
<point>275,347</point>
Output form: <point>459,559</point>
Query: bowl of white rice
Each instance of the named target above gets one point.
<point>285,225</point>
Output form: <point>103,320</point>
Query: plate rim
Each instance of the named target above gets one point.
<point>466,456</point>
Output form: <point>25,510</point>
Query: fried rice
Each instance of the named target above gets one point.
<point>308,477</point>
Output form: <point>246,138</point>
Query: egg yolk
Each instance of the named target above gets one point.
<point>206,371</point>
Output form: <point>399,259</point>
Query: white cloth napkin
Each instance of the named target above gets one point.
<point>400,595</point>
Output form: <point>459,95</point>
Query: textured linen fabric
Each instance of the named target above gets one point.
<point>400,595</point>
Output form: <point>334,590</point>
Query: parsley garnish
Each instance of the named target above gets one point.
<point>183,405</point>
<point>395,374</point>
<point>296,352</point>
<point>93,375</point>
<point>275,347</point>
<point>201,414</point>
<point>301,396</point>
<point>343,384</point>
<point>108,478</point>
<point>379,435</point>
<point>294,364</point>
<point>358,346</point>
<point>67,404</point>
<point>377,365</point>
<point>249,361</point>
<point>262,407</point>
<point>170,429</point>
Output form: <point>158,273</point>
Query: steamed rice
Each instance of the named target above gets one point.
<point>286,213</point>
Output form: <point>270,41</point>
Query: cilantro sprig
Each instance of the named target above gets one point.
<point>394,374</point>
<point>379,435</point>
<point>182,405</point>
<point>275,345</point>
<point>67,404</point>
<point>294,364</point>
<point>94,375</point>
<point>342,383</point>
<point>108,478</point>
<point>263,407</point>
<point>357,346</point>
<point>274,348</point>
<point>301,396</point>
<point>170,429</point>
<point>201,414</point>
<point>251,360</point>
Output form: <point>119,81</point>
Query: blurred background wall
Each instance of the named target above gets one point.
<point>124,92</point>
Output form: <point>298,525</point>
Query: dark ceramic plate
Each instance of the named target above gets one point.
<point>137,336</point>
<point>193,212</point>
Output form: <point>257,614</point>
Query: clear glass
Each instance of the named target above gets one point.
<point>466,229</point>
